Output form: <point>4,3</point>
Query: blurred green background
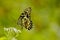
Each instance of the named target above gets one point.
<point>45,16</point>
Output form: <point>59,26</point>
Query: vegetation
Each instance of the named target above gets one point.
<point>45,16</point>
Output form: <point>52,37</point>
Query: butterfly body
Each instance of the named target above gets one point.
<point>25,19</point>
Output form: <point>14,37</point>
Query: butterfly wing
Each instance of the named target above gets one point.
<point>25,19</point>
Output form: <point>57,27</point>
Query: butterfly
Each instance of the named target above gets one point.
<point>25,19</point>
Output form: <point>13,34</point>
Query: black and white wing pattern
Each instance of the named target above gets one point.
<point>25,19</point>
